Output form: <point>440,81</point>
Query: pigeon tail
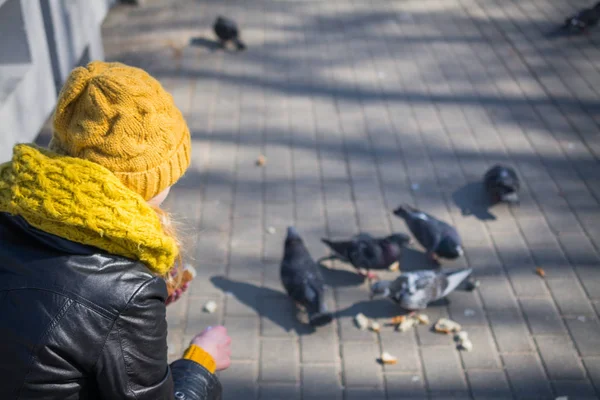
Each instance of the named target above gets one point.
<point>239,44</point>
<point>338,248</point>
<point>381,288</point>
<point>320,318</point>
<point>292,233</point>
<point>455,278</point>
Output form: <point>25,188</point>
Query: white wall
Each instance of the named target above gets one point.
<point>40,42</point>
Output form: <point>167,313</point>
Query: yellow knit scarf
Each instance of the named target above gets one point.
<point>83,202</point>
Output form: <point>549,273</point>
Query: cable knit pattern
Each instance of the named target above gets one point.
<point>123,119</point>
<point>83,202</point>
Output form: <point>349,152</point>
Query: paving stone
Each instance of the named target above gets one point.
<point>450,396</point>
<point>244,337</point>
<point>240,381</point>
<point>279,360</point>
<point>405,386</point>
<point>364,393</point>
<point>425,333</point>
<point>542,316</point>
<point>404,346</point>
<point>484,354</point>
<point>354,358</point>
<point>442,369</point>
<point>526,376</point>
<point>466,309</point>
<point>321,346</point>
<point>279,392</point>
<point>519,265</point>
<point>497,295</point>
<point>560,358</point>
<point>280,317</point>
<point>511,333</point>
<point>350,121</point>
<point>578,390</point>
<point>585,258</point>
<point>321,382</point>
<point>570,297</point>
<point>584,331</point>
<point>489,384</point>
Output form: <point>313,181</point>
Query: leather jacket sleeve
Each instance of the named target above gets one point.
<point>133,362</point>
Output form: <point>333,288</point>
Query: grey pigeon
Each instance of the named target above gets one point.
<point>227,31</point>
<point>414,290</point>
<point>502,184</point>
<point>438,238</point>
<point>302,279</point>
<point>584,19</point>
<point>365,252</point>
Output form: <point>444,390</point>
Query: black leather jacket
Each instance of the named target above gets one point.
<point>77,323</point>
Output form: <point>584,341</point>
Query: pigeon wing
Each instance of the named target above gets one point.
<point>426,230</point>
<point>363,252</point>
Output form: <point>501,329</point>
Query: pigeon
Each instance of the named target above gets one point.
<point>438,238</point>
<point>365,252</point>
<point>227,31</point>
<point>502,184</point>
<point>302,279</point>
<point>414,290</point>
<point>584,19</point>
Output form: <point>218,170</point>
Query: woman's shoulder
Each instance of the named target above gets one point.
<point>34,260</point>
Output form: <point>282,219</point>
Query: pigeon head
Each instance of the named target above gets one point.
<point>401,211</point>
<point>292,234</point>
<point>381,288</point>
<point>449,249</point>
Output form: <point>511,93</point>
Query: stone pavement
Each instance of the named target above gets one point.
<point>360,105</point>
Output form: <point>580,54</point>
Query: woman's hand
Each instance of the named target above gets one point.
<point>173,297</point>
<point>216,342</point>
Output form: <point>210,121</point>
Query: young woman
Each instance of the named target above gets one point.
<point>86,254</point>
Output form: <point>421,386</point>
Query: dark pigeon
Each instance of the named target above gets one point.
<point>227,31</point>
<point>414,290</point>
<point>365,252</point>
<point>583,20</point>
<point>302,279</point>
<point>438,238</point>
<point>502,184</point>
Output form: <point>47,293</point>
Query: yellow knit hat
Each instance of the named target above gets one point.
<point>121,118</point>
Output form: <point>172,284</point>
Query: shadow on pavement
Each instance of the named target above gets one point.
<point>268,303</point>
<point>473,200</point>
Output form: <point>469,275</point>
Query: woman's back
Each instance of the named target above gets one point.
<point>85,253</point>
<point>69,310</point>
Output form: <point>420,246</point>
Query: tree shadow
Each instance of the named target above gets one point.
<point>268,303</point>
<point>472,199</point>
<point>209,44</point>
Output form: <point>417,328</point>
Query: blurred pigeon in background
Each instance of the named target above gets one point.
<point>437,237</point>
<point>302,279</point>
<point>414,290</point>
<point>227,31</point>
<point>365,252</point>
<point>584,19</point>
<point>502,184</point>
